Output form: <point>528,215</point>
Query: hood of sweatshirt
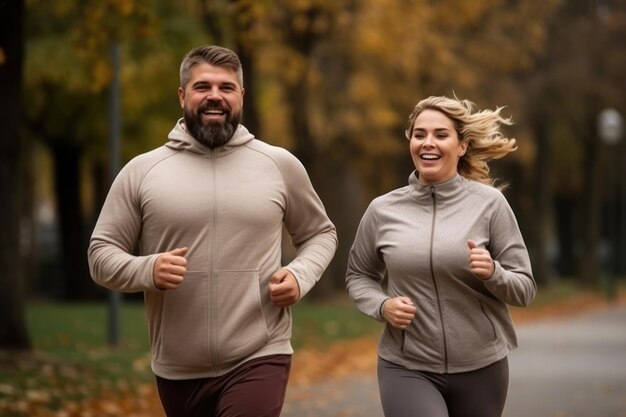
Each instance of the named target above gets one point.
<point>180,139</point>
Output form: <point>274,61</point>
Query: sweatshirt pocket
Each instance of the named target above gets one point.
<point>472,335</point>
<point>184,335</point>
<point>240,326</point>
<point>422,339</point>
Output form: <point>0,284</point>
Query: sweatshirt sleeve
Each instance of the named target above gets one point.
<point>312,233</point>
<point>111,260</point>
<point>512,281</point>
<point>366,270</point>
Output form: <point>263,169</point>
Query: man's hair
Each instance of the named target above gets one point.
<point>216,56</point>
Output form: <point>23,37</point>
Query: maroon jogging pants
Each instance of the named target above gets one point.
<point>255,389</point>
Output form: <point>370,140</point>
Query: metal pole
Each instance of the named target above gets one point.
<point>622,215</point>
<point>610,129</point>
<point>613,217</point>
<point>115,298</point>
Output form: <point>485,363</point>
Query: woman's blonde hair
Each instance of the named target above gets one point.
<point>479,129</point>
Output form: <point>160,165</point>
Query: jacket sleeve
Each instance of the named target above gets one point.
<point>312,233</point>
<point>111,260</point>
<point>512,281</point>
<point>366,270</point>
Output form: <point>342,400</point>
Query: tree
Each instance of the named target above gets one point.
<point>345,50</point>
<point>350,136</point>
<point>69,114</point>
<point>13,331</point>
<point>574,81</point>
<point>294,30</point>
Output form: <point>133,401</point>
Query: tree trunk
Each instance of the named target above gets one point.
<point>250,113</point>
<point>243,22</point>
<point>77,284</point>
<point>566,213</point>
<point>340,192</point>
<point>28,236</point>
<point>13,331</point>
<point>538,248</point>
<point>590,266</point>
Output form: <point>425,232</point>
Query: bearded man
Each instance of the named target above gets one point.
<point>196,225</point>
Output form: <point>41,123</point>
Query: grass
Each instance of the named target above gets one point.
<point>321,324</point>
<point>68,329</point>
<point>78,331</point>
<point>71,360</point>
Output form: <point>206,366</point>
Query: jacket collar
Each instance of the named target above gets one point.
<point>443,190</point>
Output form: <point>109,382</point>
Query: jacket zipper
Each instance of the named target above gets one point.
<point>432,276</point>
<point>212,333</point>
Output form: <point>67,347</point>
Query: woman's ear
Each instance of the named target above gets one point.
<point>463,149</point>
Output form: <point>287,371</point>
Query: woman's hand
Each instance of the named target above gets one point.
<point>480,261</point>
<point>399,311</point>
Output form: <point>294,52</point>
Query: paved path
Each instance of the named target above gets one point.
<point>572,368</point>
<point>565,368</point>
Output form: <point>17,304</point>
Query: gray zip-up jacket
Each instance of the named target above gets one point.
<point>416,236</point>
<point>228,206</point>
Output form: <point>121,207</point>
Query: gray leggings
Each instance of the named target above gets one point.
<point>406,393</point>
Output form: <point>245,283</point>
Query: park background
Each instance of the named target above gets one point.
<point>85,86</point>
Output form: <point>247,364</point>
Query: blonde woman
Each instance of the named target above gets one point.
<point>450,248</point>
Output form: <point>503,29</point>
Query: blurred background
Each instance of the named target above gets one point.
<point>87,85</point>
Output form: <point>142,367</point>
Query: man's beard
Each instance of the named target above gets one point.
<point>213,134</point>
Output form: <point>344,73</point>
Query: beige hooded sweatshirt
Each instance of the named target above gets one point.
<point>228,206</point>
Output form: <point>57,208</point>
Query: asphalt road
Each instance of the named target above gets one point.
<point>573,367</point>
<point>570,368</point>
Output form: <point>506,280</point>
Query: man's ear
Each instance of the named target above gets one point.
<point>181,97</point>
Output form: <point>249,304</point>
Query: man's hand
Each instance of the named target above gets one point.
<point>480,261</point>
<point>399,311</point>
<point>170,269</point>
<point>284,289</point>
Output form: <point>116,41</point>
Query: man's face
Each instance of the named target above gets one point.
<point>212,103</point>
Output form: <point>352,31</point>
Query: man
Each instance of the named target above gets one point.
<point>205,213</point>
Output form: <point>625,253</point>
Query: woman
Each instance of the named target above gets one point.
<point>454,257</point>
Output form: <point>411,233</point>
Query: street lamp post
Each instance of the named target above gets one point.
<point>610,127</point>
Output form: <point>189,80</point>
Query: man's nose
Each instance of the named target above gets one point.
<point>214,94</point>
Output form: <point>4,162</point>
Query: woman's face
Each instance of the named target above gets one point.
<point>435,147</point>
